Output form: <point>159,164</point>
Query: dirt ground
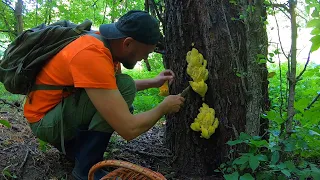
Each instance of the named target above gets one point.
<point>21,156</point>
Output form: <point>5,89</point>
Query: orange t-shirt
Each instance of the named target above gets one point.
<point>84,63</point>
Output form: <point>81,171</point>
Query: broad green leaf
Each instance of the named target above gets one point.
<point>290,165</point>
<point>286,172</point>
<point>315,43</point>
<point>235,142</point>
<point>246,176</point>
<point>262,157</point>
<point>313,23</point>
<point>315,31</point>
<point>271,54</point>
<point>262,61</point>
<point>254,162</point>
<point>275,157</point>
<point>233,176</point>
<point>243,136</point>
<point>5,123</point>
<point>244,166</point>
<point>241,160</point>
<point>262,143</point>
<point>281,165</point>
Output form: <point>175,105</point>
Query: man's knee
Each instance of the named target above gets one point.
<point>127,87</point>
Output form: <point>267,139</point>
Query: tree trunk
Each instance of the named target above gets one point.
<point>18,16</point>
<point>223,42</point>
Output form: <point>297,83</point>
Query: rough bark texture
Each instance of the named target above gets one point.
<point>18,16</point>
<point>223,43</point>
<point>256,73</point>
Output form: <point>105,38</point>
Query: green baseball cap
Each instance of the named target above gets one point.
<point>139,25</point>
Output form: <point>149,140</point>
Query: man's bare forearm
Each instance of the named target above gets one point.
<point>144,121</point>
<point>145,84</point>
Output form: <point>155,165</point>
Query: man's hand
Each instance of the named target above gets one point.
<point>172,104</point>
<point>163,77</point>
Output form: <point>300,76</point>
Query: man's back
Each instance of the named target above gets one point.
<point>83,63</point>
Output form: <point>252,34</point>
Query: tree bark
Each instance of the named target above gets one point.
<point>254,14</point>
<point>223,43</point>
<point>18,16</point>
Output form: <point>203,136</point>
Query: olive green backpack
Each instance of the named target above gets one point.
<point>32,49</point>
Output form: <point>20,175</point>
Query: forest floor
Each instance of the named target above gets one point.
<point>21,155</point>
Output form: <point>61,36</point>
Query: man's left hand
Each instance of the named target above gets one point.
<point>166,75</point>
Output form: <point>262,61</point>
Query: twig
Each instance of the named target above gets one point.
<point>278,30</point>
<point>280,6</point>
<point>314,100</point>
<point>25,159</point>
<point>305,67</point>
<point>6,3</point>
<point>280,77</point>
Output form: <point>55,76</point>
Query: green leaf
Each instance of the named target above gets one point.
<point>254,162</point>
<point>313,23</point>
<point>238,74</point>
<point>241,160</point>
<point>5,123</point>
<point>275,157</point>
<point>243,136</point>
<point>233,176</point>
<point>261,56</point>
<point>262,143</point>
<point>315,31</point>
<point>262,157</point>
<point>246,176</point>
<point>286,172</point>
<point>290,165</point>
<point>244,166</point>
<point>315,43</point>
<point>271,54</point>
<point>235,142</point>
<point>262,61</point>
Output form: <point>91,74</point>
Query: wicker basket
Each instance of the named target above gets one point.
<point>125,171</point>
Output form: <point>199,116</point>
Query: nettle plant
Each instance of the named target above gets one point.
<point>278,159</point>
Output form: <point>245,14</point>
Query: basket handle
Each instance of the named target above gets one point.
<point>118,163</point>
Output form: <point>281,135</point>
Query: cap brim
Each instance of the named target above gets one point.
<point>110,31</point>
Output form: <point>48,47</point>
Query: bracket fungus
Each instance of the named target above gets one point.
<point>206,122</point>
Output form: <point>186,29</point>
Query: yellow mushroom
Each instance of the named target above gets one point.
<point>164,89</point>
<point>199,87</point>
<point>206,122</point>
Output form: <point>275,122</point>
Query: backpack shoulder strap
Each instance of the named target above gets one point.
<point>101,38</point>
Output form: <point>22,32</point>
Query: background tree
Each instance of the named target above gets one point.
<point>232,38</point>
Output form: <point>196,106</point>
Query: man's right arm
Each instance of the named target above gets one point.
<point>114,110</point>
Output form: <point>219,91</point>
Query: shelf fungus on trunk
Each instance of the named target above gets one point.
<point>197,71</point>
<point>206,122</point>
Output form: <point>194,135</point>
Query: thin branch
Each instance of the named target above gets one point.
<point>314,100</point>
<point>7,4</point>
<point>278,30</point>
<point>280,6</point>
<point>305,67</point>
<point>280,77</point>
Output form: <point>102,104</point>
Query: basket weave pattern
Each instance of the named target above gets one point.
<point>125,171</point>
